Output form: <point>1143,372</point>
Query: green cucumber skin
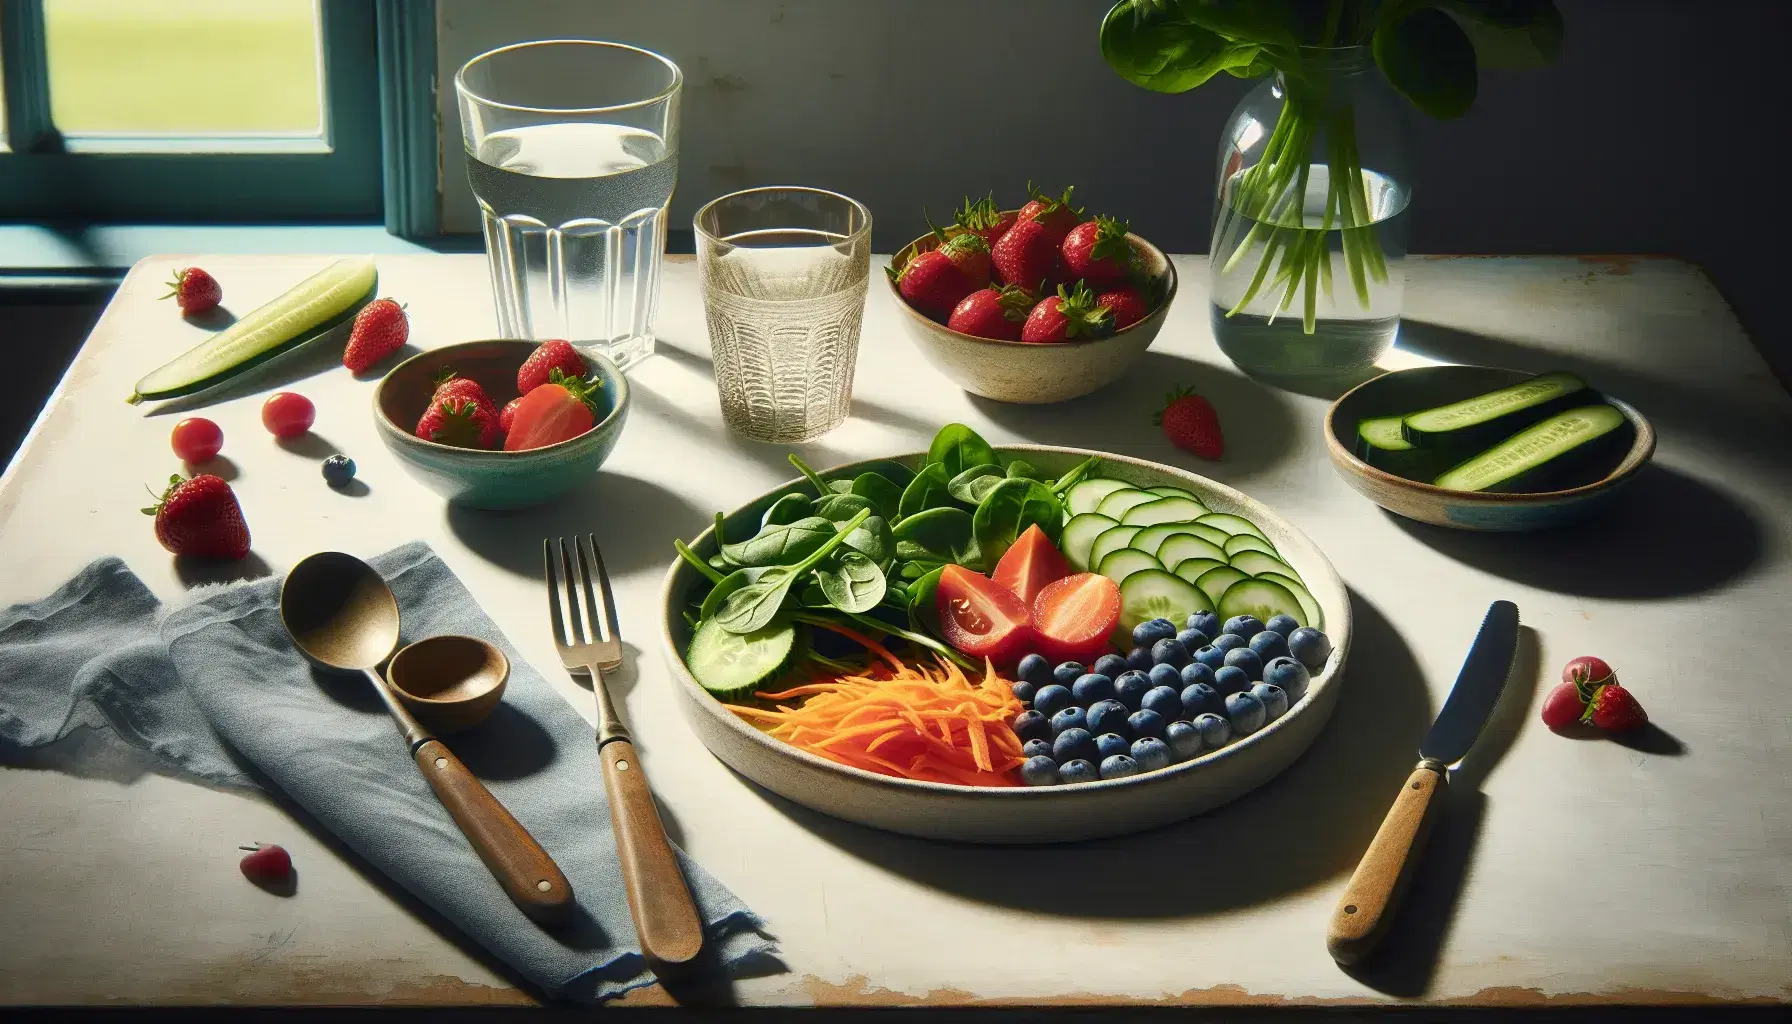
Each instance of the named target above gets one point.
<point>1584,463</point>
<point>1457,443</point>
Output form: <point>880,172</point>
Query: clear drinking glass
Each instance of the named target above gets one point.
<point>784,274</point>
<point>572,153</point>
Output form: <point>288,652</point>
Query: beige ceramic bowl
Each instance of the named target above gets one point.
<point>1031,372</point>
<point>1025,815</point>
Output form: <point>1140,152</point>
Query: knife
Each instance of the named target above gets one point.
<point>1374,891</point>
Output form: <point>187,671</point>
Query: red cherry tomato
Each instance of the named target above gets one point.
<point>1030,564</point>
<point>980,617</point>
<point>287,414</point>
<point>1074,617</point>
<point>196,439</point>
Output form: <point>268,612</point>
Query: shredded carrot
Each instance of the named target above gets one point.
<point>913,721</point>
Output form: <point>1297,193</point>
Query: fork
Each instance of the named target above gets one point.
<point>590,641</point>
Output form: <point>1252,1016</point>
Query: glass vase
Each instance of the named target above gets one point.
<point>1306,267</point>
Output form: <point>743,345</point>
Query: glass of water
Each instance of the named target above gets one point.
<point>572,152</point>
<point>784,274</point>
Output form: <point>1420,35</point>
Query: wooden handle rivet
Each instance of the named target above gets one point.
<point>622,766</point>
<point>441,762</point>
<point>544,885</point>
<point>1415,785</point>
<point>1351,909</point>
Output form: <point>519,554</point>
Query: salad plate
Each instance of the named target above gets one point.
<point>1018,814</point>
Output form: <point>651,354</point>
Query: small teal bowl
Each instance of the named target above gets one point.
<point>493,479</point>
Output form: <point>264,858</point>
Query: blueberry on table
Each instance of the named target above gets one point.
<point>1023,691</point>
<point>1036,748</point>
<point>1310,647</point>
<point>1110,743</point>
<point>1080,770</point>
<point>1109,716</point>
<point>1049,700</point>
<point>1200,698</point>
<point>1169,651</point>
<point>1130,687</point>
<point>1183,739</point>
<point>1145,723</point>
<point>1110,665</point>
<point>1211,656</point>
<point>1039,771</point>
<point>1165,675</point>
<point>1197,672</point>
<point>1193,639</point>
<point>1139,659</point>
<point>1245,659</point>
<point>1073,745</point>
<point>339,470</point>
<point>1066,673</point>
<point>1119,767</point>
<point>1288,674</point>
<point>1031,725</point>
<point>1034,669</point>
<point>1152,630</point>
<point>1071,717</point>
<point>1091,687</point>
<point>1245,712</point>
<point>1215,731</point>
<point>1245,626</point>
<point>1269,645</point>
<point>1228,680</point>
<point>1273,699</point>
<point>1282,623</point>
<point>1206,622</point>
<point>1151,753</point>
<point>1165,700</point>
<point>1228,641</point>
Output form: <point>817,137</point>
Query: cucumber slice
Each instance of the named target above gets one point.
<point>1261,598</point>
<point>1569,448</point>
<point>1155,594</point>
<point>1079,537</point>
<point>1116,504</point>
<point>1084,495</point>
<point>1315,617</point>
<point>1175,492</point>
<point>1233,525</point>
<point>1215,582</point>
<point>1212,534</point>
<point>1192,569</point>
<point>1118,565</point>
<point>1247,542</point>
<point>1164,510</point>
<point>313,307</point>
<point>1111,540</point>
<point>1380,443</point>
<point>1257,563</point>
<point>1184,546</point>
<point>1484,419</point>
<point>1153,537</point>
<point>732,665</point>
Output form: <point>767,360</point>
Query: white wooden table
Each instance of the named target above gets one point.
<point>1565,871</point>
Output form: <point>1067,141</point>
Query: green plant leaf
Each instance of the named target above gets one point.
<point>1022,468</point>
<point>851,582</point>
<point>931,488</point>
<point>937,536</point>
<point>1159,45</point>
<point>757,603</point>
<point>787,509</point>
<point>923,613</point>
<point>782,544</point>
<point>841,507</point>
<point>957,448</point>
<point>971,485</point>
<point>884,495</point>
<point>1428,58</point>
<point>712,602</point>
<point>1075,474</point>
<point>1008,509</point>
<point>872,538</point>
<point>1510,34</point>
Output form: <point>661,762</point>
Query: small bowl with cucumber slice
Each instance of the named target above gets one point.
<point>1484,448</point>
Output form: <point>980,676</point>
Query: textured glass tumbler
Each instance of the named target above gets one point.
<point>572,153</point>
<point>784,274</point>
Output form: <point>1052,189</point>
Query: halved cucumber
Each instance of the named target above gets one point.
<point>313,307</point>
<point>1118,565</point>
<point>1262,598</point>
<point>1257,563</point>
<point>1116,503</point>
<point>1084,495</point>
<point>1156,594</point>
<point>732,665</point>
<point>1184,546</point>
<point>1215,582</point>
<point>1164,510</point>
<point>1191,569</point>
<point>1112,539</point>
<point>1247,542</point>
<point>1315,617</point>
<point>1174,492</point>
<point>1230,523</point>
<point>1079,537</point>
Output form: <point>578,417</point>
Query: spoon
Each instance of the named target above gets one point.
<point>342,617</point>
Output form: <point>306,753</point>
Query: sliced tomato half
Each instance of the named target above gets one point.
<point>1029,564</point>
<point>981,617</point>
<point>1074,617</point>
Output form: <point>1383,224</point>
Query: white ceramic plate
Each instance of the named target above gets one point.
<point>1025,815</point>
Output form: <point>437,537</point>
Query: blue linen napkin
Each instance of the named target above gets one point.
<point>215,688</point>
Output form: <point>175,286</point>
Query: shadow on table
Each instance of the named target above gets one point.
<point>1304,828</point>
<point>774,456</point>
<point>1619,552</point>
<point>290,367</point>
<point>633,520</point>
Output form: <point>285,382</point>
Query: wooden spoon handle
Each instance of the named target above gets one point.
<point>530,877</point>
<point>1369,900</point>
<point>658,899</point>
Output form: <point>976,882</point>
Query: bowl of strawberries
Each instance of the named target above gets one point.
<point>1039,304</point>
<point>502,424</point>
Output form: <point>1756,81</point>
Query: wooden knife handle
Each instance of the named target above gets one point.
<point>530,877</point>
<point>1374,890</point>
<point>658,899</point>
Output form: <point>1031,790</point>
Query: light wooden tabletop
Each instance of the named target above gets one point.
<point>1563,872</point>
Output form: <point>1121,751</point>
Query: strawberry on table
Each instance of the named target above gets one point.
<point>1070,314</point>
<point>200,518</point>
<point>194,290</point>
<point>984,218</point>
<point>553,354</point>
<point>380,329</point>
<point>266,864</point>
<point>1615,709</point>
<point>1126,303</point>
<point>559,410</point>
<point>932,283</point>
<point>993,312</point>
<point>1097,251</point>
<point>1191,423</point>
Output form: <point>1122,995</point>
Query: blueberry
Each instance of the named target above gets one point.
<point>1069,718</point>
<point>1288,674</point>
<point>1023,691</point>
<point>1283,623</point>
<point>1183,739</point>
<point>1050,700</point>
<point>1193,639</point>
<point>1245,712</point>
<point>1119,767</point>
<point>1039,771</point>
<point>1091,687</point>
<point>1130,687</point>
<point>1310,647</point>
<point>1073,745</point>
<point>1269,645</point>
<point>1152,630</point>
<point>1273,699</point>
<point>1034,669</point>
<point>1151,753</point>
<point>1199,698</point>
<point>1109,716</point>
<point>1110,743</point>
<point>1169,652</point>
<point>1110,665</point>
<point>1165,675</point>
<point>1206,622</point>
<point>1036,748</point>
<point>1211,656</point>
<point>1227,641</point>
<point>1215,731</point>
<point>1139,658</point>
<point>1146,723</point>
<point>1165,700</point>
<point>1196,672</point>
<point>1080,770</point>
<point>1246,659</point>
<point>1245,626</point>
<point>1067,673</point>
<point>1031,725</point>
<point>339,470</point>
<point>1228,680</point>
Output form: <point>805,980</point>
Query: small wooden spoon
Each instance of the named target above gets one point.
<point>342,617</point>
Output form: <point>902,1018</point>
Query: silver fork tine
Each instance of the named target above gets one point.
<point>603,579</point>
<point>554,616</point>
<point>593,607</point>
<point>576,628</point>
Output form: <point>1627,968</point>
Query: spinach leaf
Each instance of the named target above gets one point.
<point>1076,474</point>
<point>712,602</point>
<point>937,536</point>
<point>841,507</point>
<point>894,471</point>
<point>720,562</point>
<point>756,604</point>
<point>1009,509</point>
<point>914,570</point>
<point>1023,468</point>
<point>923,613</point>
<point>691,557</point>
<point>872,538</point>
<point>851,582</point>
<point>1428,58</point>
<point>931,488</point>
<point>811,595</point>
<point>884,495</point>
<point>971,485</point>
<point>782,545</point>
<point>1165,48</point>
<point>787,509</point>
<point>1510,33</point>
<point>957,448</point>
